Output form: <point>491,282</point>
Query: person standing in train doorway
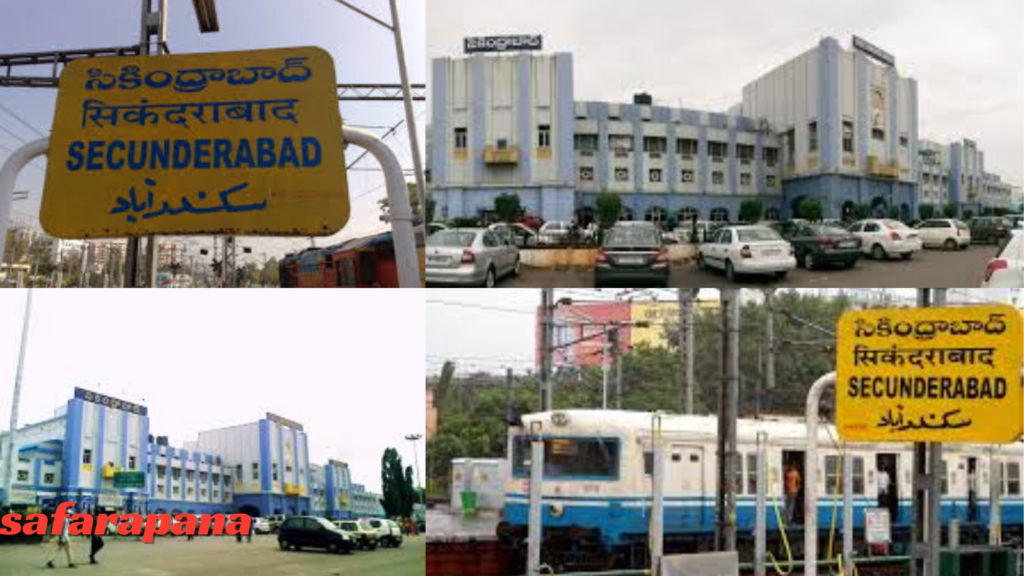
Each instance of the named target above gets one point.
<point>792,485</point>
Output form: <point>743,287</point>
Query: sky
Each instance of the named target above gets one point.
<point>206,359</point>
<point>363,52</point>
<point>966,56</point>
<point>492,330</point>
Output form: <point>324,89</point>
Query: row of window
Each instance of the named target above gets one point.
<point>622,144</point>
<point>656,175</point>
<point>176,491</point>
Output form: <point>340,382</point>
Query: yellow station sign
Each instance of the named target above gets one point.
<point>242,143</point>
<point>930,375</point>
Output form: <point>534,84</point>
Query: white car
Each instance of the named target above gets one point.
<point>261,526</point>
<point>553,232</point>
<point>389,534</point>
<point>747,250</point>
<point>944,233</point>
<point>882,238</point>
<point>1006,270</point>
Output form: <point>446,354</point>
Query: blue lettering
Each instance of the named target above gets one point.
<point>288,153</point>
<point>265,152</point>
<point>244,154</point>
<point>310,144</point>
<point>221,152</point>
<point>140,163</point>
<point>182,154</point>
<point>95,153</point>
<point>75,152</point>
<point>202,153</point>
<point>112,163</point>
<point>159,153</point>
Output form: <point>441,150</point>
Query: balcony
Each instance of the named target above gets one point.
<point>882,169</point>
<point>494,155</point>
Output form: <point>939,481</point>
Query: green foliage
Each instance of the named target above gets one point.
<point>893,213</point>
<point>926,211</point>
<point>414,203</point>
<point>861,211</point>
<point>809,210</point>
<point>397,485</point>
<point>608,206</point>
<point>270,272</point>
<point>464,222</point>
<point>507,207</point>
<point>968,214</point>
<point>751,210</point>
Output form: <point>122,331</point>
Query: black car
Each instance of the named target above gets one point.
<point>300,532</point>
<point>633,255</point>
<point>989,229</point>
<point>816,245</point>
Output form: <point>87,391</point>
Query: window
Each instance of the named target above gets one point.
<point>847,136</point>
<point>944,474</point>
<point>744,179</point>
<point>745,152</point>
<point>543,136</point>
<point>752,473</point>
<point>812,137</point>
<point>858,474</point>
<point>176,473</point>
<point>160,489</point>
<point>131,462</point>
<point>737,474</point>
<point>586,173</point>
<point>202,477</point>
<point>238,474</point>
<point>190,476</point>
<point>720,215</point>
<point>622,174</point>
<point>175,490</point>
<point>771,156</point>
<point>460,138</point>
<point>655,175</point>
<point>655,146</point>
<point>288,468</point>
<point>621,144</point>
<point>686,147</point>
<point>22,475</point>
<point>590,458</point>
<point>87,456</point>
<point>161,471</point>
<point>717,150</point>
<point>585,142</point>
<point>832,476</point>
<point>687,175</point>
<point>878,134</point>
<point>48,478</point>
<point>649,463</point>
<point>273,467</point>
<point>255,471</point>
<point>770,181</point>
<point>903,140</point>
<point>718,177</point>
<point>1012,478</point>
<point>202,492</point>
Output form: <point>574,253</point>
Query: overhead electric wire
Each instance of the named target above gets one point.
<point>20,119</point>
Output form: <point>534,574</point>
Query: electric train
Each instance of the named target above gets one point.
<point>598,468</point>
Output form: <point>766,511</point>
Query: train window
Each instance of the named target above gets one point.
<point>649,463</point>
<point>677,457</point>
<point>944,473</point>
<point>694,457</point>
<point>858,474</point>
<point>737,477</point>
<point>348,273</point>
<point>367,268</point>
<point>832,475</point>
<point>1012,478</point>
<point>833,480</point>
<point>751,473</point>
<point>568,458</point>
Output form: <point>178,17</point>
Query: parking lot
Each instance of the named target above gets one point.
<point>220,555</point>
<point>927,269</point>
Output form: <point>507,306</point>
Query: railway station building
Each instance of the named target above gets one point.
<point>259,468</point>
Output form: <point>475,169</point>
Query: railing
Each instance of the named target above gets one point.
<point>494,155</point>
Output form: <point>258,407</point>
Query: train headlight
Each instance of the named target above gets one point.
<point>560,419</point>
<point>557,510</point>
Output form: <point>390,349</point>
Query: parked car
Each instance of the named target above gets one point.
<point>388,533</point>
<point>260,525</point>
<point>517,234</point>
<point>990,229</point>
<point>469,256</point>
<point>1016,220</point>
<point>817,245</point>
<point>946,233</point>
<point>701,231</point>
<point>364,535</point>
<point>435,227</point>
<point>632,253</point>
<point>553,232</point>
<point>275,521</point>
<point>747,250</point>
<point>1006,270</point>
<point>300,532</point>
<point>882,238</point>
<point>785,228</point>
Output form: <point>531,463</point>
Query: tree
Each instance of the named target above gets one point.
<point>396,500</point>
<point>507,207</point>
<point>926,211</point>
<point>414,203</point>
<point>608,207</point>
<point>968,214</point>
<point>861,211</point>
<point>269,273</point>
<point>751,210</point>
<point>950,210</point>
<point>809,210</point>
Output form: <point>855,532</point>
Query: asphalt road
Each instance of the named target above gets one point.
<point>220,555</point>
<point>927,269</point>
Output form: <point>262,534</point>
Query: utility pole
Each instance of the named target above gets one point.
<point>617,359</point>
<point>547,297</point>
<point>686,297</point>
<point>15,401</point>
<point>728,396</point>
<point>83,275</point>
<point>769,337</point>
<point>508,396</point>
<point>606,367</point>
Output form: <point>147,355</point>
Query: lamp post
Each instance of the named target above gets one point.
<point>9,449</point>
<point>416,460</point>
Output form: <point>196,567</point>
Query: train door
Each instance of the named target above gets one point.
<point>972,489</point>
<point>793,485</point>
<point>684,478</point>
<point>887,474</point>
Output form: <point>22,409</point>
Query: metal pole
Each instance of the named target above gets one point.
<point>536,486</point>
<point>547,298</point>
<point>606,368</point>
<point>617,357</point>
<point>686,346</point>
<point>995,491</point>
<point>728,409</point>
<point>761,512</point>
<point>847,511</point>
<point>410,120</point>
<point>152,246</point>
<point>9,175</point>
<point>406,257</point>
<point>657,504</point>
<point>508,397</point>
<point>83,275</point>
<point>769,336</point>
<point>811,474</point>
<point>15,401</point>
<point>416,462</point>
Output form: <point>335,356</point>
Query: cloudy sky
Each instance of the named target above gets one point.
<point>966,56</point>
<point>363,52</point>
<point>205,359</point>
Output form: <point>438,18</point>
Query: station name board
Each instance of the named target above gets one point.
<point>873,51</point>
<point>284,421</point>
<point>110,402</point>
<point>503,43</point>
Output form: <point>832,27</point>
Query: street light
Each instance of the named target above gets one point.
<point>206,13</point>
<point>416,460</point>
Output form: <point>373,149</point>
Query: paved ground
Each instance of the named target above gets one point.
<point>443,522</point>
<point>927,269</point>
<point>219,555</point>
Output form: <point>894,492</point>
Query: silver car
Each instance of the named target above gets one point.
<point>469,256</point>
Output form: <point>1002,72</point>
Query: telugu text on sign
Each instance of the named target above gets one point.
<point>930,375</point>
<point>221,143</point>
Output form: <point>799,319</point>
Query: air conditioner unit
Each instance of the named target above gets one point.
<point>655,175</point>
<point>586,173</point>
<point>621,174</point>
<point>688,176</point>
